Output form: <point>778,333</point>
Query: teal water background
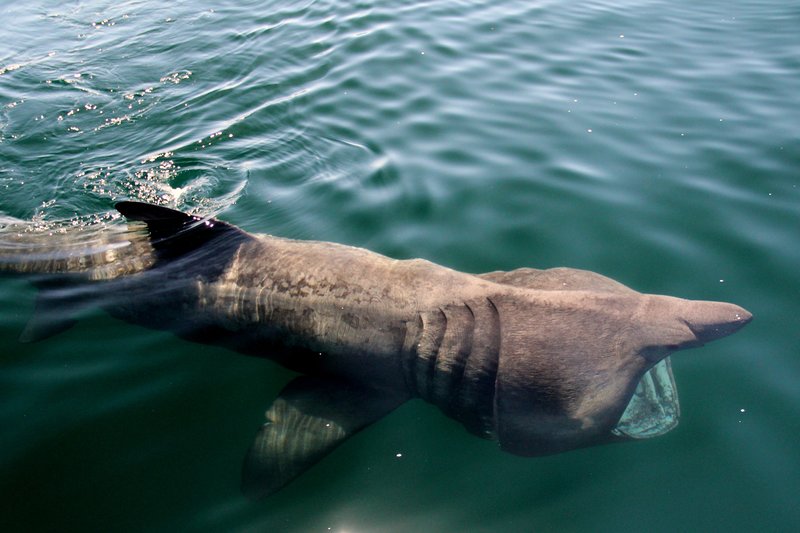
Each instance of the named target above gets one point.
<point>654,142</point>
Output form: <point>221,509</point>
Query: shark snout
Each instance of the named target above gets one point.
<point>677,324</point>
<point>710,321</point>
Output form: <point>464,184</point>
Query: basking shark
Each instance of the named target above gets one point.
<point>542,361</point>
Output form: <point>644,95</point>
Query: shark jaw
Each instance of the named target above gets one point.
<point>654,408</point>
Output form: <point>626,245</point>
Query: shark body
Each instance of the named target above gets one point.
<point>542,361</point>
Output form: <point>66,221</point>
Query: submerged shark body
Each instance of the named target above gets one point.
<point>542,361</point>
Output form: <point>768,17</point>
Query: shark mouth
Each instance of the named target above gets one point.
<point>654,408</point>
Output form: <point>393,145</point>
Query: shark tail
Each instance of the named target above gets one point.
<point>95,251</point>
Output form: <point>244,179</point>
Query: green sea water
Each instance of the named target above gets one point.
<point>655,142</point>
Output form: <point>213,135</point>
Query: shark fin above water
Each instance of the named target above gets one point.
<point>311,416</point>
<point>174,233</point>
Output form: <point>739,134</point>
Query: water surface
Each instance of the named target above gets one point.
<point>654,142</point>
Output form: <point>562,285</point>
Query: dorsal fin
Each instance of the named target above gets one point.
<point>174,233</point>
<point>151,212</point>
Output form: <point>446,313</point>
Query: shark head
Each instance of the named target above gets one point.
<point>654,408</point>
<point>609,378</point>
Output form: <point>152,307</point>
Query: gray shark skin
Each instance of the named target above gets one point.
<point>542,361</point>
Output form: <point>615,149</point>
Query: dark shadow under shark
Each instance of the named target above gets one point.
<point>542,361</point>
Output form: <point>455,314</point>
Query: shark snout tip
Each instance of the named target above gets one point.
<point>720,320</point>
<point>738,316</point>
<point>743,316</point>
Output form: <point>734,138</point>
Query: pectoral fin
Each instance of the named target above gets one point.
<point>310,417</point>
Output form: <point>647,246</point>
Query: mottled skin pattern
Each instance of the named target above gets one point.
<point>541,361</point>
